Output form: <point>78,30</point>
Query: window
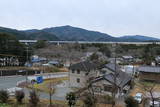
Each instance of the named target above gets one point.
<point>107,88</point>
<point>86,73</point>
<point>78,80</point>
<point>73,70</point>
<point>78,71</point>
<point>97,88</point>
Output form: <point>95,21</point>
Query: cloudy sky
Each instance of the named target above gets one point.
<point>115,17</point>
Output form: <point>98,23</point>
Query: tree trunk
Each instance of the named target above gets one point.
<point>50,99</point>
<point>152,98</point>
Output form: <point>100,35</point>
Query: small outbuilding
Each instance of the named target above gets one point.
<point>149,73</point>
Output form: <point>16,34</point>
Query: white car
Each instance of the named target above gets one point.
<point>46,64</point>
<point>138,97</point>
<point>156,104</point>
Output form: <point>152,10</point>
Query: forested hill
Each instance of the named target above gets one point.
<point>25,35</point>
<point>69,33</point>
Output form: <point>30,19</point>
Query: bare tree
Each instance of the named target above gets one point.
<point>149,88</point>
<point>51,92</point>
<point>116,74</point>
<point>19,95</point>
<point>34,99</point>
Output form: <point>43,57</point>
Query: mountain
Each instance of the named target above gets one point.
<point>137,38</point>
<point>78,34</point>
<point>42,35</point>
<point>29,34</point>
<point>69,33</point>
<point>18,34</point>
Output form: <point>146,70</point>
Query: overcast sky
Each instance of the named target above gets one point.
<point>114,17</point>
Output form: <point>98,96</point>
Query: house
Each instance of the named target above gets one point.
<point>157,59</point>
<point>149,73</point>
<point>9,61</point>
<point>80,73</point>
<point>38,61</point>
<point>106,83</point>
<point>127,59</point>
<point>109,68</point>
<point>118,60</point>
<point>130,69</point>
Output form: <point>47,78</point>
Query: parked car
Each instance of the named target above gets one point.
<point>138,97</point>
<point>156,104</point>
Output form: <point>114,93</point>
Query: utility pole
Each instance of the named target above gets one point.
<point>26,63</point>
<point>114,46</point>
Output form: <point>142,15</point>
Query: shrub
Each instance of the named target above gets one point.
<point>4,96</point>
<point>89,100</point>
<point>71,98</point>
<point>19,96</point>
<point>34,99</point>
<point>131,102</point>
<point>108,99</point>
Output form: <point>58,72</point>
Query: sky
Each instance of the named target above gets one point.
<point>114,17</point>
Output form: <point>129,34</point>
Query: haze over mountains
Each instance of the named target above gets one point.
<point>69,33</point>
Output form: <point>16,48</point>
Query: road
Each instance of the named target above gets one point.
<point>60,93</point>
<point>9,82</point>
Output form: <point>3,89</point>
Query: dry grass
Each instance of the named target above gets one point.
<point>138,88</point>
<point>63,69</point>
<point>107,105</point>
<point>56,103</point>
<point>42,103</point>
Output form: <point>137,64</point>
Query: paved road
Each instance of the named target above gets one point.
<point>9,82</point>
<point>60,93</point>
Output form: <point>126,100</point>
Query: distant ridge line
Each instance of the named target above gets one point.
<point>90,42</point>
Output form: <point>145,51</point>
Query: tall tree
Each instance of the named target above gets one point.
<point>148,54</point>
<point>150,89</point>
<point>105,50</point>
<point>40,44</point>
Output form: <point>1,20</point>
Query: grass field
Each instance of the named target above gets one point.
<point>4,105</point>
<point>45,86</point>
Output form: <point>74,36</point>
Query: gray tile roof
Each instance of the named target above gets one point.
<point>111,66</point>
<point>84,66</point>
<point>121,78</point>
<point>149,69</point>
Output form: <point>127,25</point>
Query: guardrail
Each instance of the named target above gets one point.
<point>48,75</point>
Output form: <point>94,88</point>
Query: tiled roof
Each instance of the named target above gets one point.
<point>149,69</point>
<point>84,66</point>
<point>121,78</point>
<point>112,66</point>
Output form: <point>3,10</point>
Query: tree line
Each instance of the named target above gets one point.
<point>11,47</point>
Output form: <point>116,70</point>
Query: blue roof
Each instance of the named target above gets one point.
<point>35,60</point>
